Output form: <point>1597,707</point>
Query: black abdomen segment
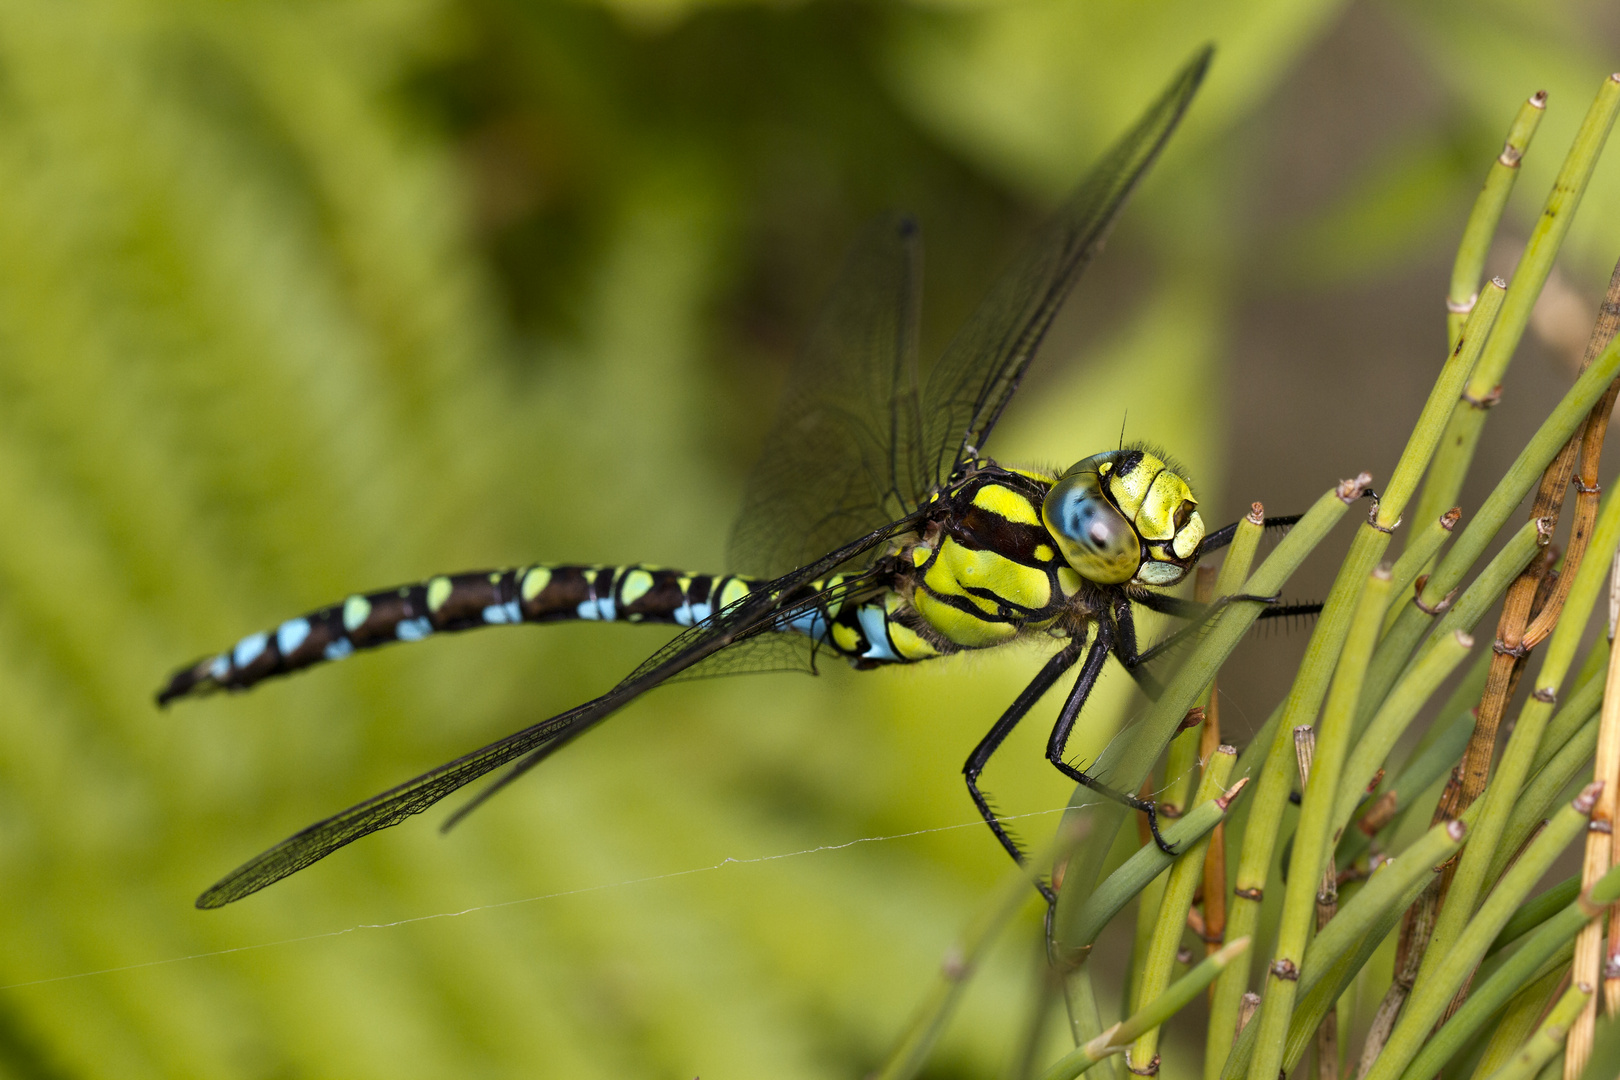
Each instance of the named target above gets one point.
<point>460,602</point>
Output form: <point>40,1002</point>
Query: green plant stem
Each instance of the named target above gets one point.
<point>1439,748</point>
<point>1540,794</point>
<point>1536,912</point>
<point>1383,892</point>
<point>1467,420</point>
<point>1135,755</point>
<point>1420,552</point>
<point>1582,705</point>
<point>1516,483</point>
<point>1516,1022</point>
<point>1548,1039</point>
<point>1183,880</point>
<point>1492,993</point>
<point>1373,745</point>
<point>1150,1017</point>
<point>1341,947</point>
<point>1487,212</point>
<point>1093,914</point>
<point>1519,754</point>
<point>963,957</point>
<point>1429,997</point>
<point>1312,841</point>
<point>1465,610</point>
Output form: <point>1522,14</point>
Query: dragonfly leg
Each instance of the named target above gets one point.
<point>1049,674</point>
<point>1125,650</point>
<point>1104,644</point>
<point>1199,615</point>
<point>1223,536</point>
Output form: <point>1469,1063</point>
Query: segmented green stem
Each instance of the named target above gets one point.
<point>1180,885</point>
<point>1373,745</point>
<point>1420,552</point>
<point>1548,1039</point>
<point>1487,213</point>
<point>1433,993</point>
<point>1336,953</point>
<point>963,957</point>
<point>1149,1018</point>
<point>1468,418</point>
<point>1516,1023</point>
<point>1087,918</point>
<point>1134,756</point>
<point>1312,841</point>
<point>1412,621</point>
<point>1519,754</point>
<point>1536,912</point>
<point>1491,993</point>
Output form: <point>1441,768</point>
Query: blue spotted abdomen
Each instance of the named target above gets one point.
<point>531,594</point>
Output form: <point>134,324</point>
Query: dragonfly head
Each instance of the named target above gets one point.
<point>1124,516</point>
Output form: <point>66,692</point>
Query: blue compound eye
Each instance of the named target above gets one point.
<point>1093,535</point>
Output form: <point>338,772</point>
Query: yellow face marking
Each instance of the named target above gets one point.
<point>1130,489</point>
<point>1068,581</point>
<point>1190,536</point>
<point>1160,573</point>
<point>635,586</point>
<point>1156,520</point>
<point>1017,584</point>
<point>438,591</point>
<point>1007,503</point>
<point>959,626</point>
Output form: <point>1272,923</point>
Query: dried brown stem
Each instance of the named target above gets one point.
<point>1416,925</point>
<point>1515,635</point>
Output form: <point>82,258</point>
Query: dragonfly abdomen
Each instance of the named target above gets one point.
<point>451,602</point>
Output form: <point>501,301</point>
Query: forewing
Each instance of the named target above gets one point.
<point>981,368</point>
<point>842,450</point>
<point>749,618</point>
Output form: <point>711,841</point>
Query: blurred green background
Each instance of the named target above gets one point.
<point>303,298</point>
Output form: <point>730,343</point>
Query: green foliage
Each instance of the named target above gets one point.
<point>302,299</point>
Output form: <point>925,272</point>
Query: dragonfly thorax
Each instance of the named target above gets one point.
<point>1124,516</point>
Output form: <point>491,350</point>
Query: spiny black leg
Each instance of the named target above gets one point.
<point>1049,674</point>
<point>1125,646</point>
<point>1191,610</point>
<point>1209,611</point>
<point>1284,611</point>
<point>1221,537</point>
<point>1098,654</point>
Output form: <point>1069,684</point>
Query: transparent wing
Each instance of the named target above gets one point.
<point>981,368</point>
<point>753,617</point>
<point>842,452</point>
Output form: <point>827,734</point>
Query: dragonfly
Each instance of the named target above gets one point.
<point>873,528</point>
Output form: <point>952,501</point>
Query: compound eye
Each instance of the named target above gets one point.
<point>1093,535</point>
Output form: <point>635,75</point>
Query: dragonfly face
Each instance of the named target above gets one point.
<point>1123,516</point>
